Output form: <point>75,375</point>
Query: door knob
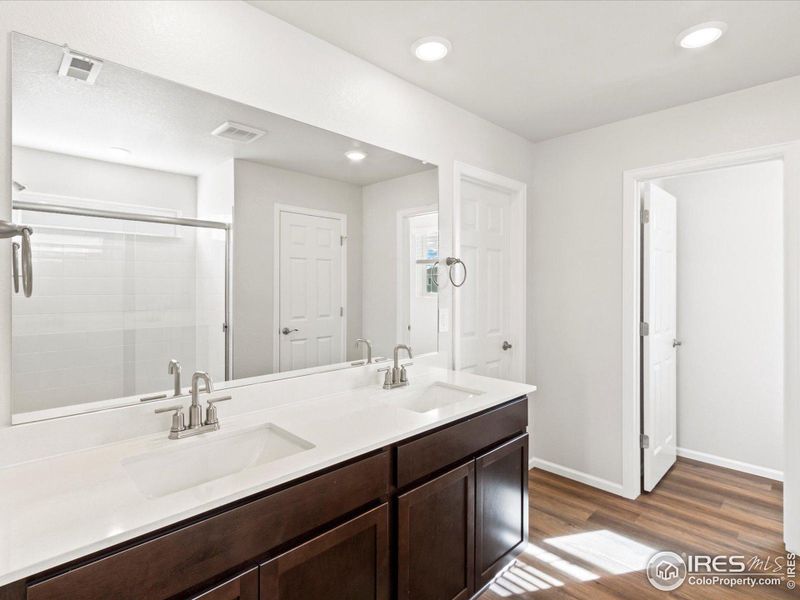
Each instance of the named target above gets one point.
<point>676,343</point>
<point>287,331</point>
<point>506,345</point>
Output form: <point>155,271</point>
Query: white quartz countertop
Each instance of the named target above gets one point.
<point>60,508</point>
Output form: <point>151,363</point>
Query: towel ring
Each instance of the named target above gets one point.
<point>451,262</point>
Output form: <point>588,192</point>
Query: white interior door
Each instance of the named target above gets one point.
<point>659,311</point>
<point>486,341</point>
<point>311,322</point>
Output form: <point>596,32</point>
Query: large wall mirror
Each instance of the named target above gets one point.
<point>172,224</point>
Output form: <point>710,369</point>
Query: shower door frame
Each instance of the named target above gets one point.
<point>65,209</point>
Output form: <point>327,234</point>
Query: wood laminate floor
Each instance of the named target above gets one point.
<point>588,544</point>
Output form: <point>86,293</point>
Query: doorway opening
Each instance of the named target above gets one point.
<point>418,237</point>
<point>631,317</point>
<point>711,345</point>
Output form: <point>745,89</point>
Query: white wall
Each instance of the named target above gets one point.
<point>575,257</point>
<point>730,314</point>
<point>53,173</point>
<point>257,189</point>
<point>382,201</point>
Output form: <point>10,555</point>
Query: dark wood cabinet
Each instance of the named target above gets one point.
<point>427,454</point>
<point>349,562</point>
<point>431,517</point>
<point>242,587</point>
<point>188,556</point>
<point>436,537</point>
<point>501,507</point>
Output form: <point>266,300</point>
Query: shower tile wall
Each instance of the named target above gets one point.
<point>109,311</point>
<point>113,301</point>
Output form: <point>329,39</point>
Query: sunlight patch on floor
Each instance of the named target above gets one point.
<point>605,549</point>
<point>571,569</point>
<point>520,578</point>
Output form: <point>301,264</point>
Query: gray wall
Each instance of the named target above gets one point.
<point>382,202</point>
<point>257,189</point>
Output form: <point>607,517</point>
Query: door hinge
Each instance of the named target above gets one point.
<point>645,216</point>
<point>644,441</point>
<point>342,238</point>
<point>341,311</point>
<point>644,329</point>
<point>224,328</point>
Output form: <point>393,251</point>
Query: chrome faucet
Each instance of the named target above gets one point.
<point>397,376</point>
<point>178,429</point>
<point>195,412</point>
<point>368,343</point>
<point>175,370</point>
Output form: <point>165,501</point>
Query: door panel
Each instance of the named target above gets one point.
<point>436,536</point>
<point>311,291</point>
<point>243,587</point>
<point>486,250</point>
<point>501,507</point>
<point>349,562</point>
<point>659,310</point>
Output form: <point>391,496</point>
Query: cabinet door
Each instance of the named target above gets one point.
<point>436,538</point>
<point>243,587</point>
<point>349,562</point>
<point>501,512</point>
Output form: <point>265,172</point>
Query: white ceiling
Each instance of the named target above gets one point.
<point>544,69</point>
<point>168,126</point>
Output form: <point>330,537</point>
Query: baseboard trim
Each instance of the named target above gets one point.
<point>728,463</point>
<point>579,476</point>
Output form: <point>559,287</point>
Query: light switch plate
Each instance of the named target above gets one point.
<point>444,320</point>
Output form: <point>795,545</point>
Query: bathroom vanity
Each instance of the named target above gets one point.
<point>277,266</point>
<point>435,514</point>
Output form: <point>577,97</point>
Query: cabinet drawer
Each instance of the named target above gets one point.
<point>185,558</point>
<point>350,561</point>
<point>454,443</point>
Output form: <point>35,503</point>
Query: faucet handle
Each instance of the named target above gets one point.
<point>177,418</point>
<point>389,377</point>
<point>211,410</point>
<point>403,373</point>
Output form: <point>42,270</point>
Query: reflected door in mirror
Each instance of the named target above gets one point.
<point>311,290</point>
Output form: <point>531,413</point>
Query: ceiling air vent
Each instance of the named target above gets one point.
<point>238,132</point>
<point>78,66</point>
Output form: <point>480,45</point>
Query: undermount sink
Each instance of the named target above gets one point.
<point>431,397</point>
<point>209,457</point>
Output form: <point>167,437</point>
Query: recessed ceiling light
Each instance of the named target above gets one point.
<point>356,155</point>
<point>431,48</point>
<point>119,151</point>
<point>702,34</point>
